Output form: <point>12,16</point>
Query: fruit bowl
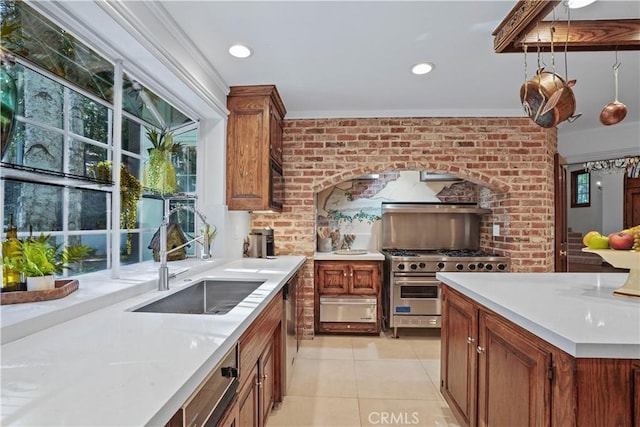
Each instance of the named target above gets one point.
<point>623,259</point>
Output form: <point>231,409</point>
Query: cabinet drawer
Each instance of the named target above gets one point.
<point>348,310</point>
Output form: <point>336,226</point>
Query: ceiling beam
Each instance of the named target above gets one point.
<point>521,20</point>
<point>523,26</point>
<point>583,36</point>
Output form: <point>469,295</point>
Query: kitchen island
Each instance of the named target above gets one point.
<point>96,362</point>
<point>553,349</point>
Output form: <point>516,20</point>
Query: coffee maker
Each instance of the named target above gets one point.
<point>261,243</point>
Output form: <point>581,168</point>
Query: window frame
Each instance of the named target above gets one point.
<point>575,188</point>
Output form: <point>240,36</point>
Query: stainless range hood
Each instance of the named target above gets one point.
<point>425,226</point>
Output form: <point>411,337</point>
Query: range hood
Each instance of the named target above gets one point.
<point>424,226</point>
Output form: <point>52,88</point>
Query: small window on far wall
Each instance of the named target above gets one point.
<point>580,189</point>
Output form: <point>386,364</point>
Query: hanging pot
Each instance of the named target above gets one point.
<point>548,100</point>
<point>614,112</point>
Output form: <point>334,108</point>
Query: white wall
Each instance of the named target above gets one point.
<point>607,202</point>
<point>603,143</point>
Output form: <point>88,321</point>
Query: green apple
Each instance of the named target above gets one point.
<point>598,242</point>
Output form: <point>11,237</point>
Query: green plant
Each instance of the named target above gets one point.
<point>130,193</point>
<point>39,257</point>
<point>162,141</point>
<point>159,173</point>
<point>360,216</point>
<point>210,232</point>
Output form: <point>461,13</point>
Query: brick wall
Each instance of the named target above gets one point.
<point>510,159</point>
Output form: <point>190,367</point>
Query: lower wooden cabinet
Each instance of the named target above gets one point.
<point>248,399</point>
<point>495,373</point>
<point>351,281</point>
<point>232,416</point>
<point>261,366</point>
<point>491,373</point>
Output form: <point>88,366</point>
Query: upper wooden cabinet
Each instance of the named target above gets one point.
<point>254,148</point>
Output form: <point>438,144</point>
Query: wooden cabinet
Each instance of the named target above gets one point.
<point>495,373</point>
<point>232,416</point>
<point>261,365</point>
<point>487,363</point>
<point>254,148</point>
<point>347,279</point>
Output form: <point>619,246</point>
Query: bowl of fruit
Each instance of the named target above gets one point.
<point>621,250</point>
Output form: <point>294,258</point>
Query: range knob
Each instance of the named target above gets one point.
<point>440,265</point>
<point>480,265</point>
<point>400,266</point>
<point>489,267</point>
<point>422,265</point>
<point>459,267</point>
<point>502,267</point>
<point>472,267</point>
<point>414,266</point>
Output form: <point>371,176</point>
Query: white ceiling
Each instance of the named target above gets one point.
<point>339,59</point>
<point>353,59</point>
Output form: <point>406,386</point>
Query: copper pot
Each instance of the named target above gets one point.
<point>548,100</point>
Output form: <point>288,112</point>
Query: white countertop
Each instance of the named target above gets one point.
<point>114,367</point>
<point>370,255</point>
<point>575,312</point>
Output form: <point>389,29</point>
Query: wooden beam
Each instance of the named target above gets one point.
<point>583,36</point>
<point>524,25</point>
<point>521,20</point>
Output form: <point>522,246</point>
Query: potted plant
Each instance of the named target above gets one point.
<point>39,259</point>
<point>210,232</point>
<point>130,193</point>
<point>159,172</point>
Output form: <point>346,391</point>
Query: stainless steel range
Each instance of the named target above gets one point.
<point>418,240</point>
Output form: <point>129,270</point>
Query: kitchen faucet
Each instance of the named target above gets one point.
<point>163,279</point>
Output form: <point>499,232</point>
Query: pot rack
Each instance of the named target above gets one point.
<point>523,25</point>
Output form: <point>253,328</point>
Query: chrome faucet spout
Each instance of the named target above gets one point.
<point>163,272</point>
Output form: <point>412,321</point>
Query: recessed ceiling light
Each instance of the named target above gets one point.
<point>422,68</point>
<point>240,51</point>
<point>577,4</point>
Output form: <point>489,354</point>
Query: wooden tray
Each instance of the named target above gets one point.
<point>62,289</point>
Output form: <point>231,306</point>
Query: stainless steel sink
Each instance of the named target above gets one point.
<point>207,296</point>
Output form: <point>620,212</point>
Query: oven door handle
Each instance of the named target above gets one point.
<point>416,281</point>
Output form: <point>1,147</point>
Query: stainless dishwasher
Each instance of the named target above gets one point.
<point>336,309</point>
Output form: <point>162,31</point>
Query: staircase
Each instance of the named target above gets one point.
<point>575,254</point>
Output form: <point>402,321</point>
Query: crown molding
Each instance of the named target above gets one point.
<point>170,46</point>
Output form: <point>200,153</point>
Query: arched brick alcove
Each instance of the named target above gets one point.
<point>510,158</point>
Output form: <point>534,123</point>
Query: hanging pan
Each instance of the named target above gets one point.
<point>614,112</point>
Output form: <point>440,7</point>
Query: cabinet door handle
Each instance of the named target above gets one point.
<point>480,349</point>
<point>265,376</point>
<point>470,340</point>
<point>259,384</point>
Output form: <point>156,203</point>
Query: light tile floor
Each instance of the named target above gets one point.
<point>366,381</point>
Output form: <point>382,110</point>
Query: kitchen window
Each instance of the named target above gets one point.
<point>63,126</point>
<point>580,189</point>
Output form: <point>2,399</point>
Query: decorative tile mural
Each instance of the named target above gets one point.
<point>351,209</point>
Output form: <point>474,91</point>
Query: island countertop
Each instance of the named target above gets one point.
<point>576,312</point>
<point>112,366</point>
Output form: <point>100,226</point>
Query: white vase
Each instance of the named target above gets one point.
<point>40,283</point>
